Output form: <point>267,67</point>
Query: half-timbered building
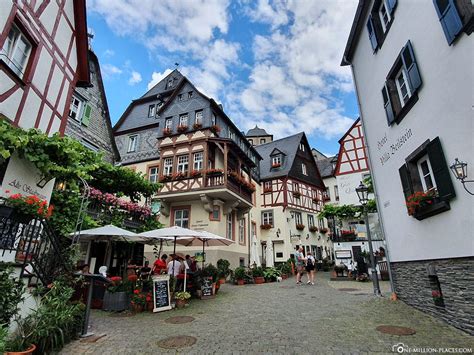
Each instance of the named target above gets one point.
<point>290,198</point>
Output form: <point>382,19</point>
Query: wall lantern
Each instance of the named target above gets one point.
<point>459,169</point>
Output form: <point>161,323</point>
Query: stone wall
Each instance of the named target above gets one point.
<point>456,279</point>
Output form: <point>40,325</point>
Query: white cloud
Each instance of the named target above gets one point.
<point>157,77</point>
<point>108,53</point>
<point>135,78</point>
<point>110,70</point>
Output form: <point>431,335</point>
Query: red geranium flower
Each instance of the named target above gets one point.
<point>136,292</point>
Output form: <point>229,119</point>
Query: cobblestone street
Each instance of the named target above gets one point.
<point>276,318</point>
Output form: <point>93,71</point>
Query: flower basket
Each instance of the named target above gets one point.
<point>167,131</point>
<point>24,208</point>
<point>215,129</point>
<point>197,126</point>
<point>179,176</point>
<point>267,189</point>
<point>265,226</point>
<point>324,230</point>
<point>300,227</point>
<point>166,178</point>
<point>182,128</point>
<point>195,173</point>
<point>419,200</point>
<point>313,229</point>
<point>277,165</point>
<point>297,194</point>
<point>215,172</point>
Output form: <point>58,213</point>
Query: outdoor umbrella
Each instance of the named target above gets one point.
<point>269,261</point>
<point>254,257</point>
<point>108,233</point>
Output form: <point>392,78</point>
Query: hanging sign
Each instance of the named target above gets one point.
<point>161,293</point>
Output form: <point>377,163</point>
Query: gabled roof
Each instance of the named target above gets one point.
<point>257,132</point>
<point>276,151</point>
<point>356,29</point>
<point>288,146</point>
<point>160,87</point>
<point>326,166</point>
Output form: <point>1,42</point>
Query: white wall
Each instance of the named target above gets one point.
<point>444,109</point>
<point>347,184</point>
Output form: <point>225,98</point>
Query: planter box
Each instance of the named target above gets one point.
<point>431,210</point>
<point>116,301</point>
<point>10,212</point>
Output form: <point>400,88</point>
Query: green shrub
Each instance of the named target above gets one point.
<point>11,294</point>
<point>257,272</point>
<point>223,268</point>
<point>239,273</point>
<point>271,274</point>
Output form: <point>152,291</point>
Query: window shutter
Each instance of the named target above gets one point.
<point>449,17</point>
<point>440,170</point>
<point>391,5</point>
<point>372,35</point>
<point>406,181</point>
<point>387,103</point>
<point>409,62</point>
<point>86,116</point>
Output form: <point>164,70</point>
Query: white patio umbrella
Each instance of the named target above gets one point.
<point>254,257</point>
<point>269,254</point>
<point>108,233</point>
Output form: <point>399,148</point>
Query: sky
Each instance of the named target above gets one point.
<point>271,63</point>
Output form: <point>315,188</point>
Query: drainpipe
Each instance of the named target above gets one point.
<point>377,198</point>
<point>249,239</point>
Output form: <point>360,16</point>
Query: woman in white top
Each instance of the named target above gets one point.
<point>310,268</point>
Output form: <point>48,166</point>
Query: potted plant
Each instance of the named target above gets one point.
<point>419,200</point>
<point>258,275</point>
<point>116,296</point>
<point>166,178</point>
<point>215,172</point>
<point>276,165</point>
<point>138,301</point>
<point>149,302</point>
<point>197,126</point>
<point>300,227</point>
<point>182,128</point>
<point>313,229</point>
<point>182,299</point>
<point>167,131</point>
<point>271,274</point>
<point>285,270</point>
<point>215,129</point>
<point>195,173</point>
<point>239,275</point>
<point>25,208</point>
<point>179,175</point>
<point>223,270</point>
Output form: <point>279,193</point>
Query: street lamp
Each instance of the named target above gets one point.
<point>363,194</point>
<point>459,169</point>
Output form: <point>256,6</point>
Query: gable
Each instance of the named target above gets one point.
<point>306,157</point>
<point>352,153</point>
<point>276,151</point>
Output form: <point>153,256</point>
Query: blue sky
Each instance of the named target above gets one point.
<point>271,63</point>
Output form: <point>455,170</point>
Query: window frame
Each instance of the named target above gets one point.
<point>182,166</point>
<point>311,220</point>
<point>7,57</point>
<point>212,217</point>
<point>183,118</point>
<point>298,216</point>
<point>263,141</point>
<point>423,176</point>
<point>151,110</point>
<point>385,25</point>
<point>304,169</point>
<point>132,143</point>
<point>153,177</point>
<point>198,116</point>
<point>182,219</point>
<point>79,112</point>
<point>168,123</point>
<point>276,160</point>
<point>267,217</point>
<point>200,162</point>
<point>268,186</point>
<point>167,166</point>
<point>401,74</point>
<point>229,226</point>
<point>241,225</point>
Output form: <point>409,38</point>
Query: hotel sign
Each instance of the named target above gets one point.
<point>388,149</point>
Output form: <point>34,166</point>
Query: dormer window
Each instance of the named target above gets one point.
<point>302,147</point>
<point>151,111</point>
<point>190,94</point>
<point>304,170</point>
<point>276,161</point>
<point>169,84</point>
<point>180,97</point>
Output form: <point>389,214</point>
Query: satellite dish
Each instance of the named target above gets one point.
<point>103,271</point>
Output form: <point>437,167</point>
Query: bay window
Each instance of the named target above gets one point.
<point>167,166</point>
<point>197,161</point>
<point>183,163</point>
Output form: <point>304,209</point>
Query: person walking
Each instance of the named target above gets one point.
<point>299,257</point>
<point>310,268</point>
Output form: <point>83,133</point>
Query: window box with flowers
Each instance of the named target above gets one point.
<point>313,229</point>
<point>421,205</point>
<point>215,129</point>
<point>166,178</point>
<point>24,208</point>
<point>315,200</point>
<point>196,173</point>
<point>324,230</point>
<point>296,194</point>
<point>215,172</point>
<point>276,165</point>
<point>240,180</point>
<point>182,128</point>
<point>197,126</point>
<point>180,175</point>
<point>267,189</point>
<point>266,226</point>
<point>167,131</point>
<point>300,227</point>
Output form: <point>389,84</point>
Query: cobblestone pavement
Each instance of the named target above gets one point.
<point>277,318</point>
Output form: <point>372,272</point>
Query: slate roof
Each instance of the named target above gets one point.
<point>161,86</point>
<point>326,166</point>
<point>257,132</point>
<point>288,146</point>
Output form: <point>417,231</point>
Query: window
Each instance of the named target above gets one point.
<point>320,223</point>
<point>230,226</point>
<point>276,161</point>
<point>231,134</point>
<point>169,84</point>
<point>336,192</point>
<point>449,17</point>
<point>168,166</point>
<point>153,174</point>
<point>183,162</point>
<point>327,194</point>
<point>302,147</point>
<point>215,215</point>
<point>242,231</point>
<point>403,82</point>
<point>132,143</point>
<point>151,111</point>
<point>296,187</point>
<point>75,108</point>
<point>303,169</point>
<point>426,169</point>
<point>251,141</point>
<point>16,51</point>
<point>384,15</point>
<point>180,97</point>
<point>426,174</point>
<point>198,117</point>
<point>213,119</point>
<point>267,186</point>
<point>379,22</point>
<point>267,217</point>
<point>168,123</point>
<point>298,218</point>
<point>197,161</point>
<point>310,220</point>
<point>190,94</point>
<point>183,119</point>
<point>262,141</point>
<point>181,218</point>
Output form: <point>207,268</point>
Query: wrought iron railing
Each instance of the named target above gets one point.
<point>33,246</point>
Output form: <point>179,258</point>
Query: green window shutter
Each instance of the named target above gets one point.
<point>440,169</point>
<point>86,116</point>
<point>406,181</point>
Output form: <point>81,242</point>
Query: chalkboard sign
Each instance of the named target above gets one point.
<point>161,293</point>
<point>206,288</point>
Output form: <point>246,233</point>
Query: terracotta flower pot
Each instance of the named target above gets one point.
<point>240,282</point>
<point>150,306</point>
<point>137,308</point>
<point>222,281</point>
<point>28,351</point>
<point>259,280</point>
<point>181,303</point>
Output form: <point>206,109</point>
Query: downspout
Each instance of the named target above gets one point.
<point>250,237</point>
<point>379,203</point>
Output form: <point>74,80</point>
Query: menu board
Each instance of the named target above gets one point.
<point>206,288</point>
<point>161,293</point>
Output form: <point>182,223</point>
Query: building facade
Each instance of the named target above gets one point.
<point>88,115</point>
<point>414,89</point>
<point>257,136</point>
